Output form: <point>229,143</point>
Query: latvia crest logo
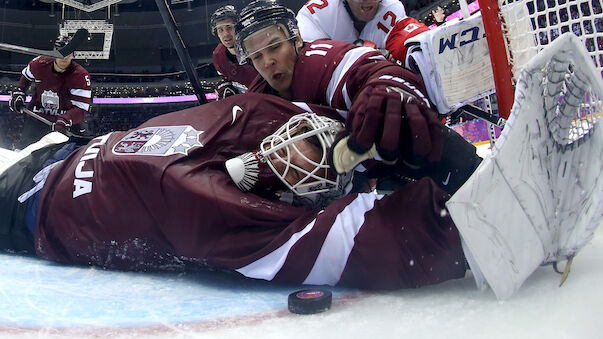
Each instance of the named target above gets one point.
<point>159,141</point>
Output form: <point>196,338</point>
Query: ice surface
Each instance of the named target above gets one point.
<point>85,302</point>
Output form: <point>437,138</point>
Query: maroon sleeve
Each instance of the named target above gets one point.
<point>26,79</point>
<point>333,73</point>
<point>80,94</point>
<point>23,83</point>
<point>217,58</point>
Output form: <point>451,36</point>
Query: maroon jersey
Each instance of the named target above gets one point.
<point>159,196</point>
<point>332,73</point>
<point>67,94</point>
<point>230,71</point>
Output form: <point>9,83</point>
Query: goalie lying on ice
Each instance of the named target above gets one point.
<point>243,184</point>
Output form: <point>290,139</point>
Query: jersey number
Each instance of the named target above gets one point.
<point>311,5</point>
<point>318,49</point>
<point>87,77</point>
<point>392,17</point>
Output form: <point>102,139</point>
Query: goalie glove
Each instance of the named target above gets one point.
<point>17,101</point>
<point>402,31</point>
<point>394,122</point>
<point>343,160</point>
<point>61,125</point>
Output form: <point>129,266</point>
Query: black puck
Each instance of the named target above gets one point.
<point>310,301</point>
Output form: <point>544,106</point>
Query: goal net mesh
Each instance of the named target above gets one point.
<point>529,25</point>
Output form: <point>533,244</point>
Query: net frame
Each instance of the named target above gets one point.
<point>512,46</point>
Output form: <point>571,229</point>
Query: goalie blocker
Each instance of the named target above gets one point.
<point>538,198</point>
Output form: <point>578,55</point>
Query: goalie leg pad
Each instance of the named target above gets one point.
<point>538,198</point>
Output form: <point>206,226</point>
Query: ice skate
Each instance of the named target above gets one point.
<point>537,199</point>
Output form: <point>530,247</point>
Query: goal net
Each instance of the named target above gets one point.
<point>527,26</point>
<point>471,58</point>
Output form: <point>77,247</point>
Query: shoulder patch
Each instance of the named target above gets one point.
<point>159,141</point>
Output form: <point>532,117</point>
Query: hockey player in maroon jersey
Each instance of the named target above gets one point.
<point>159,196</point>
<point>62,95</point>
<point>387,106</point>
<point>203,187</point>
<point>235,78</point>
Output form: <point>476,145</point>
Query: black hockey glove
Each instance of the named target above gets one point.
<point>61,125</point>
<point>17,101</point>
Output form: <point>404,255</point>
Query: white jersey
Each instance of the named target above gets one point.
<point>321,19</point>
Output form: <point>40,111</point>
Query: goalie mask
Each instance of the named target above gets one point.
<point>297,154</point>
<point>255,20</point>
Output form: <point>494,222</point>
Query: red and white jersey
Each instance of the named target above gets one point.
<point>67,94</point>
<point>332,73</point>
<point>229,69</point>
<point>159,197</point>
<point>329,19</point>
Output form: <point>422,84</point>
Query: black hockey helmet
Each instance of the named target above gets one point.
<point>260,14</point>
<point>225,12</point>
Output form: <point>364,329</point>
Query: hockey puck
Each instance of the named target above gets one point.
<point>310,301</point>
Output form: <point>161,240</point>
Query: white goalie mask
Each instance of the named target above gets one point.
<point>297,153</point>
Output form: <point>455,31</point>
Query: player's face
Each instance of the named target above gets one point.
<point>273,56</point>
<point>312,156</point>
<point>226,32</point>
<point>60,65</point>
<point>364,10</point>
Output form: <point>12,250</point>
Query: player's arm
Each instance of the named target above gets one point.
<point>17,97</point>
<point>389,115</point>
<point>80,96</point>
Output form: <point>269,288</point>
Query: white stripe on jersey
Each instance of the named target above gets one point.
<point>27,74</point>
<point>348,60</point>
<point>333,256</point>
<point>303,106</point>
<point>268,266</point>
<point>86,93</point>
<point>81,105</point>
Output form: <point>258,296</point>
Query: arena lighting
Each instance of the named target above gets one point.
<point>93,27</point>
<point>150,100</point>
<point>88,8</point>
<point>140,100</point>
